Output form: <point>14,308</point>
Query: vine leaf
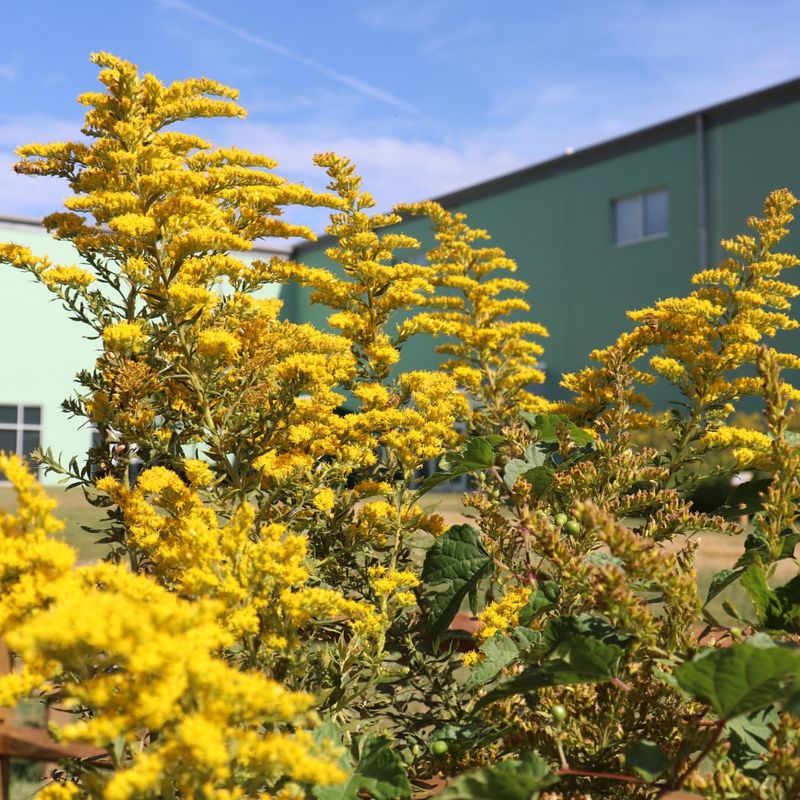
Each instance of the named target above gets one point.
<point>742,678</point>
<point>580,649</point>
<point>379,772</point>
<point>511,780</point>
<point>476,455</point>
<point>647,760</point>
<point>457,561</point>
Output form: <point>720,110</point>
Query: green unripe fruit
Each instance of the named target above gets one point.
<point>439,747</point>
<point>736,633</point>
<point>561,520</point>
<point>573,527</point>
<point>559,713</point>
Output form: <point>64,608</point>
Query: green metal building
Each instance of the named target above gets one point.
<point>595,232</point>
<point>621,224</point>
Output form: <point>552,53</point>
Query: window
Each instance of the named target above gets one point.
<point>20,429</point>
<point>641,216</point>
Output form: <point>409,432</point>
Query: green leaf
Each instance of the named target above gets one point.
<point>541,600</point>
<point>647,760</point>
<point>581,661</point>
<point>792,438</point>
<point>547,426</point>
<point>540,479</point>
<point>507,780</point>
<point>756,548</point>
<point>458,561</point>
<point>754,582</point>
<point>475,455</point>
<point>328,731</point>
<point>381,772</point>
<point>778,609</point>
<point>720,581</point>
<point>741,678</point>
<point>566,629</point>
<point>499,651</point>
<point>748,736</point>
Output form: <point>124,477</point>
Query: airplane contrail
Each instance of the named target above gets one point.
<point>350,81</point>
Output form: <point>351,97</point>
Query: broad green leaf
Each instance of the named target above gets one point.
<point>741,678</point>
<point>475,455</point>
<point>547,426</point>
<point>543,599</point>
<point>778,609</point>
<point>498,652</point>
<point>507,780</point>
<point>792,438</point>
<point>754,582</point>
<point>756,548</point>
<point>647,760</point>
<point>748,736</point>
<point>744,499</point>
<point>567,629</point>
<point>579,661</point>
<point>540,479</point>
<point>381,772</point>
<point>457,561</point>
<point>328,731</point>
<point>720,581</point>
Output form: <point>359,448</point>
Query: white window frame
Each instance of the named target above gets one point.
<point>643,237</point>
<point>20,427</point>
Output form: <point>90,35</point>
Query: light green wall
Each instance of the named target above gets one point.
<point>42,349</point>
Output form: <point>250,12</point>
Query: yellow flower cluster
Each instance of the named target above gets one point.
<point>751,448</point>
<point>372,287</point>
<point>257,572</point>
<point>74,277</point>
<point>504,613</point>
<point>124,337</point>
<point>493,357</point>
<point>146,662</point>
<point>218,343</point>
<point>385,584</point>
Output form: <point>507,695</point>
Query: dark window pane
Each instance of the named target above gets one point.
<point>656,213</point>
<point>8,441</point>
<point>8,414</point>
<point>32,415</point>
<point>628,219</point>
<point>30,441</point>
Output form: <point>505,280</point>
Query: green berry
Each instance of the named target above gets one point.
<point>439,747</point>
<point>559,713</point>
<point>573,527</point>
<point>561,520</point>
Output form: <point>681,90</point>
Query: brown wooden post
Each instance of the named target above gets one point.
<point>32,744</point>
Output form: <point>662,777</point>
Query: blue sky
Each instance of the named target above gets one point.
<point>426,97</point>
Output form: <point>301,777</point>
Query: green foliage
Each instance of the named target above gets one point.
<point>512,779</point>
<point>742,678</point>
<point>457,561</point>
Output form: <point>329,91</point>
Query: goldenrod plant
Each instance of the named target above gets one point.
<point>277,614</point>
